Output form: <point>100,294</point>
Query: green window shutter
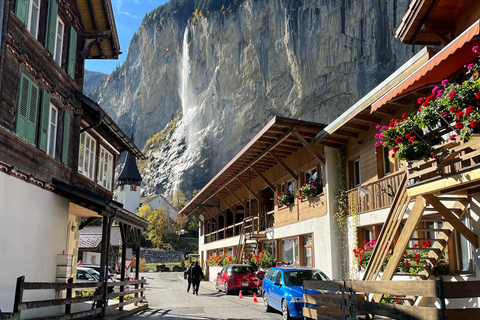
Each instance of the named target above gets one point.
<point>51,26</point>
<point>66,137</point>
<point>72,53</point>
<point>21,10</point>
<point>42,141</point>
<point>23,106</point>
<point>32,114</point>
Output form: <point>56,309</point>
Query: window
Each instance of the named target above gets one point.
<point>269,246</point>
<point>290,251</point>
<point>57,56</point>
<point>33,17</point>
<point>308,249</point>
<point>368,234</point>
<point>272,275</point>
<point>386,161</point>
<point>356,173</point>
<point>291,186</point>
<point>311,175</point>
<point>86,162</point>
<point>464,248</point>
<point>52,131</point>
<point>105,168</point>
<point>27,115</point>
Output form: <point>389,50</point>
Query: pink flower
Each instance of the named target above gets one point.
<point>377,127</point>
<point>445,82</point>
<point>474,75</point>
<point>384,128</point>
<point>475,49</point>
<point>435,90</point>
<point>377,144</point>
<point>443,114</point>
<point>439,93</point>
<point>470,66</point>
<point>452,94</point>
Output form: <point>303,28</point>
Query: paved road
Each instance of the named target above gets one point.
<point>168,299</point>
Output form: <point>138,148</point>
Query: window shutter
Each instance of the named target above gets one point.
<point>21,10</point>
<point>23,106</point>
<point>72,53</point>
<point>66,137</point>
<point>32,113</point>
<point>51,26</point>
<point>44,121</point>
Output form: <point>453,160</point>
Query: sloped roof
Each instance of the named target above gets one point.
<point>130,173</point>
<point>91,237</point>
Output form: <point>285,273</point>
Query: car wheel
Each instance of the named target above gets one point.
<point>266,306</point>
<point>286,314</point>
<point>227,291</point>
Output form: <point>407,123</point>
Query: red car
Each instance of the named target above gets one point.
<point>260,275</point>
<point>236,277</point>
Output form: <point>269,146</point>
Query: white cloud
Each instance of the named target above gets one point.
<point>117,4</point>
<point>131,15</point>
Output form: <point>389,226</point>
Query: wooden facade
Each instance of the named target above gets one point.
<point>44,119</point>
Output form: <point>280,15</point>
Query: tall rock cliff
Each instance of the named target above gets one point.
<point>224,76</point>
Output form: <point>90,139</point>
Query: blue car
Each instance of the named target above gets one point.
<point>283,289</point>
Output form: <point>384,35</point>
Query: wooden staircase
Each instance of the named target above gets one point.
<point>415,237</point>
<point>248,240</point>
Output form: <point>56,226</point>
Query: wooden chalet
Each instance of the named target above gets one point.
<point>425,210</point>
<point>58,148</point>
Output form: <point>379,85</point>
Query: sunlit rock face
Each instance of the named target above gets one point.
<point>227,75</point>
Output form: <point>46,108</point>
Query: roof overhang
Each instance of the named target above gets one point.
<point>445,64</point>
<point>111,125</point>
<point>279,138</point>
<point>357,118</point>
<point>437,22</point>
<point>99,29</point>
<point>85,203</point>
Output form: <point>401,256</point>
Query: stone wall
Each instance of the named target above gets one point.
<point>162,256</point>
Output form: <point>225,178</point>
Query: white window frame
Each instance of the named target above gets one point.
<point>57,56</point>
<point>386,161</point>
<point>288,184</point>
<point>91,172</point>
<point>31,5</point>
<point>355,182</point>
<point>52,130</point>
<point>103,161</point>
<point>309,174</point>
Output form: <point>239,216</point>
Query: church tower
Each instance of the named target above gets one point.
<point>129,183</point>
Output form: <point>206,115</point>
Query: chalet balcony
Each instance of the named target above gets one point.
<point>375,195</point>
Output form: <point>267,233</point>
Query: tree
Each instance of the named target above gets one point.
<point>161,231</point>
<point>178,200</point>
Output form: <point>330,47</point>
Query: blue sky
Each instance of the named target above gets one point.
<point>128,16</point>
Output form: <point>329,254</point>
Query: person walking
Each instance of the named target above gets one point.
<point>197,274</point>
<point>189,276</point>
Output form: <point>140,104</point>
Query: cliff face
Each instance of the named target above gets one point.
<point>226,76</point>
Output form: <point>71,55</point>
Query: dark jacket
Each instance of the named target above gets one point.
<point>197,273</point>
<point>189,273</point>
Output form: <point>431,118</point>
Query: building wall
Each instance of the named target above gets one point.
<point>32,232</point>
<point>159,201</point>
<point>130,199</point>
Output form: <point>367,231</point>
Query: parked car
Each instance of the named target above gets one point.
<point>236,277</point>
<point>85,274</point>
<point>260,274</point>
<point>283,289</point>
<point>111,273</point>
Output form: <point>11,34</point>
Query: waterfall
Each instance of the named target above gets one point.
<point>185,69</point>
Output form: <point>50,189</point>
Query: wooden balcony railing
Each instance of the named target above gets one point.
<point>375,195</point>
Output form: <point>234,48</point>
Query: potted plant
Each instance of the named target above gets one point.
<point>285,198</point>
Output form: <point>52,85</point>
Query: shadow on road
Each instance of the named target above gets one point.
<point>167,313</point>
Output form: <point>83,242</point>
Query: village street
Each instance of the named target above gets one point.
<point>168,299</point>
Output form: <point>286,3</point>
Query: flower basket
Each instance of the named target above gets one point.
<point>285,198</point>
<point>310,189</point>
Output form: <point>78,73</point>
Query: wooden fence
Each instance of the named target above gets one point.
<point>135,287</point>
<point>347,303</point>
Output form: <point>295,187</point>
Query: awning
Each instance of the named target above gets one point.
<point>443,65</point>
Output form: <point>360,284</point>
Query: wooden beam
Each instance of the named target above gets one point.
<point>356,126</point>
<point>248,189</point>
<point>236,197</point>
<point>270,185</point>
<point>280,162</point>
<point>255,160</point>
<point>308,146</point>
<point>92,14</point>
<point>214,216</point>
<point>330,144</point>
<point>452,219</point>
<point>347,134</point>
<point>369,119</point>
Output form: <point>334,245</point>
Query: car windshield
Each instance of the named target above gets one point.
<point>95,274</point>
<point>295,278</point>
<point>242,269</point>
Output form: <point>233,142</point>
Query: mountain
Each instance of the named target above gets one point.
<point>200,88</point>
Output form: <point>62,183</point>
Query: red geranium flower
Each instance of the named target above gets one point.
<point>417,260</point>
<point>406,263</point>
<point>432,155</point>
<point>453,137</point>
<point>459,126</point>
<point>407,136</point>
<point>474,124</point>
<point>420,100</point>
<point>392,125</point>
<point>398,139</point>
<point>477,96</point>
<point>469,110</point>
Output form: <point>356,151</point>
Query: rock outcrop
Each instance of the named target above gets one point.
<point>226,75</point>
